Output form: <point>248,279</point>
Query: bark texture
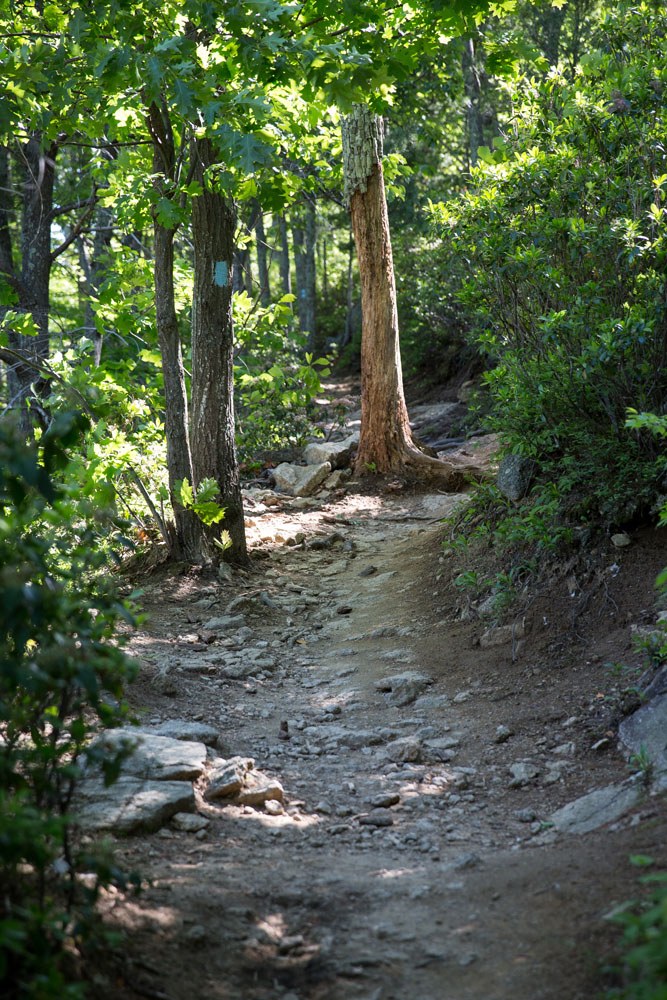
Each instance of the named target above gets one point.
<point>213,440</point>
<point>30,280</point>
<point>262,260</point>
<point>386,443</point>
<point>187,541</point>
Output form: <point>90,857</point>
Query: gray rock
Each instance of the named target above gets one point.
<point>131,805</point>
<point>378,817</point>
<point>227,777</point>
<point>258,789</point>
<point>300,480</point>
<point>158,757</point>
<point>594,810</point>
<point>183,729</point>
<point>404,688</point>
<point>189,822</point>
<point>337,453</point>
<point>523,773</point>
<point>501,635</point>
<point>503,734</point>
<point>385,800</point>
<point>337,479</point>
<point>224,623</point>
<point>514,476</point>
<point>645,732</point>
<point>405,750</point>
<point>620,540</point>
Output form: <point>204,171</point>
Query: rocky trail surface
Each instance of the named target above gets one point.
<point>372,777</point>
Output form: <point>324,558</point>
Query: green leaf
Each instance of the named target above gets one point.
<point>184,493</point>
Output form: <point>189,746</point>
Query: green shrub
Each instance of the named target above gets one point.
<point>564,238</point>
<point>275,383</point>
<point>61,678</point>
<point>643,966</point>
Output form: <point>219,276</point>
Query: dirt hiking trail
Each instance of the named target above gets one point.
<point>412,854</point>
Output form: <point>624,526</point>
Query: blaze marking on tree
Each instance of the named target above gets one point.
<point>221,273</point>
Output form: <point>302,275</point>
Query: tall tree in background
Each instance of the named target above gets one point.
<point>386,443</point>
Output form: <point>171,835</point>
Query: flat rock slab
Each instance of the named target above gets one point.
<point>594,810</point>
<point>160,758</point>
<point>645,731</point>
<point>300,480</point>
<point>404,688</point>
<point>183,729</point>
<point>131,805</point>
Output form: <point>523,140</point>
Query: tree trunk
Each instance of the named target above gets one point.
<point>25,379</point>
<point>262,260</point>
<point>93,266</point>
<point>213,441</point>
<point>473,91</point>
<point>285,275</point>
<point>187,543</point>
<point>386,443</point>
<point>310,325</point>
<point>298,240</point>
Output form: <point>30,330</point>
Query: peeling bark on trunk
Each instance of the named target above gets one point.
<point>386,443</point>
<point>213,441</point>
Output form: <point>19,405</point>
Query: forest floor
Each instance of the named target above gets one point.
<point>462,891</point>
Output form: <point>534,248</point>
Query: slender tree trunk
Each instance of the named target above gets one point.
<point>309,276</point>
<point>93,266</point>
<point>298,241</point>
<point>262,260</point>
<point>285,275</point>
<point>213,441</point>
<point>346,336</point>
<point>386,443</point>
<point>187,543</point>
<point>25,379</point>
<point>473,91</point>
<point>189,530</point>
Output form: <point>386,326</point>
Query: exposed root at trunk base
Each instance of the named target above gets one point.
<point>454,476</point>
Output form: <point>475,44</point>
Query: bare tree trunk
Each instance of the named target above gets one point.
<point>213,441</point>
<point>187,543</point>
<point>473,91</point>
<point>93,267</point>
<point>25,379</point>
<point>298,240</point>
<point>285,275</point>
<point>309,277</point>
<point>386,443</point>
<point>262,260</point>
<point>346,336</point>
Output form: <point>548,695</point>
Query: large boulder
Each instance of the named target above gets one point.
<point>514,476</point>
<point>337,453</point>
<point>131,805</point>
<point>300,480</point>
<point>159,758</point>
<point>645,734</point>
<point>604,805</point>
